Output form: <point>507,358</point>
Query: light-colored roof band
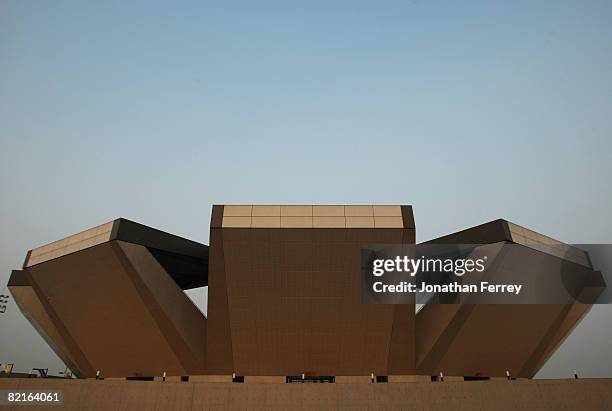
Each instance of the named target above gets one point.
<point>548,245</point>
<point>312,216</point>
<point>76,242</point>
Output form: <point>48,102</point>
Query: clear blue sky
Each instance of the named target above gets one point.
<point>152,111</point>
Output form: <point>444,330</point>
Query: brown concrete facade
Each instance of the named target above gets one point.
<point>284,292</point>
<point>284,299</point>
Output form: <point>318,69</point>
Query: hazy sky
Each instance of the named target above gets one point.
<point>152,111</point>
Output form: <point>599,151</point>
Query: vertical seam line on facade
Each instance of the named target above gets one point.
<point>391,337</point>
<point>229,317</point>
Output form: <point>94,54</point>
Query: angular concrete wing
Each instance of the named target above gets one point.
<point>110,299</point>
<point>487,340</point>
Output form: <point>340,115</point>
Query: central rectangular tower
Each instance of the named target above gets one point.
<point>284,292</point>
